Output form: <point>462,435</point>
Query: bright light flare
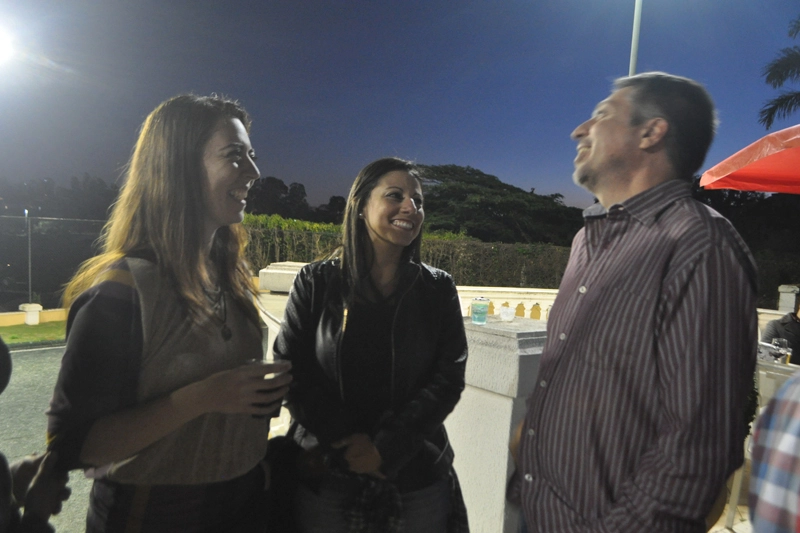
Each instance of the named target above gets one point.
<point>6,46</point>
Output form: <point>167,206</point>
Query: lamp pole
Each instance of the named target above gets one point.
<point>28,226</point>
<point>637,22</point>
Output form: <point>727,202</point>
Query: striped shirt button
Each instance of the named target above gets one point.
<point>528,478</point>
<point>582,289</point>
<point>562,336</point>
<point>531,432</point>
<point>543,384</point>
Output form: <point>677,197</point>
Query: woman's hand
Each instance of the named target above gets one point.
<point>361,454</point>
<point>22,474</point>
<point>46,491</point>
<point>245,389</point>
<point>256,388</point>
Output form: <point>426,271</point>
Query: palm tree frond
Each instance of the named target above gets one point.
<point>779,107</point>
<point>784,67</point>
<point>794,28</point>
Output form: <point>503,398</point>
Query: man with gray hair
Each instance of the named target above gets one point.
<point>637,417</point>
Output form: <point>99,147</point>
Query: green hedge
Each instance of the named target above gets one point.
<point>498,265</point>
<point>471,262</point>
<point>274,238</point>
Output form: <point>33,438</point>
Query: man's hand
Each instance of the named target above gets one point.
<point>513,446</point>
<point>361,454</point>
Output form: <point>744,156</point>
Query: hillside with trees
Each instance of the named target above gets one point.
<point>468,201</point>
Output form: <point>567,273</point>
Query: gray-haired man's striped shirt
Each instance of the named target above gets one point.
<point>637,417</point>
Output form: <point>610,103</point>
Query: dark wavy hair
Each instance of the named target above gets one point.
<point>356,253</point>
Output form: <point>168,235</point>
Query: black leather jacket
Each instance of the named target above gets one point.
<point>429,352</point>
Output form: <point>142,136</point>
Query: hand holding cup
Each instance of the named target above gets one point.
<point>274,381</point>
<point>256,388</point>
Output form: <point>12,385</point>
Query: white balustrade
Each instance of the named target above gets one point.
<point>529,303</point>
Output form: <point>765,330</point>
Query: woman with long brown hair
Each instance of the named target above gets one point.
<point>378,352</point>
<point>158,397</point>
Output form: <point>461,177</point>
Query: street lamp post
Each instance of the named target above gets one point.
<point>28,227</point>
<point>31,309</point>
<point>637,21</point>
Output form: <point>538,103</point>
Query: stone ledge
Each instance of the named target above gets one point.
<point>279,277</point>
<point>504,356</point>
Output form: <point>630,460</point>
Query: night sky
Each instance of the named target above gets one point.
<point>332,85</point>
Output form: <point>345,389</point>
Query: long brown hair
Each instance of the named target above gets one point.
<point>356,252</point>
<point>161,207</point>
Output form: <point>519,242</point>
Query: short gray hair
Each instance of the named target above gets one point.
<point>685,105</point>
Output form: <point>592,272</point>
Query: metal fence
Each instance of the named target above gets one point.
<point>58,246</point>
<point>38,255</point>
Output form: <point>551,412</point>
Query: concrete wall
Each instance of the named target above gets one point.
<point>501,370</point>
<point>532,303</point>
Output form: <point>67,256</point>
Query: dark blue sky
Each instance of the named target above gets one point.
<point>496,85</point>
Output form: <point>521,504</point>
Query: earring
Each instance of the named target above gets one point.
<point>361,215</point>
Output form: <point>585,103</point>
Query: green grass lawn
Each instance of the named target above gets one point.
<point>23,334</point>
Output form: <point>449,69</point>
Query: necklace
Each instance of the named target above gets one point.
<point>225,330</point>
<point>220,305</point>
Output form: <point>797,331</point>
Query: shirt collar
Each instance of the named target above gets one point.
<point>648,205</point>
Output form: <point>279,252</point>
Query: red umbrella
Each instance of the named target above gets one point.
<point>771,164</point>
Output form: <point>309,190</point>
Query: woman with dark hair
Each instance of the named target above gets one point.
<point>378,352</point>
<point>158,397</point>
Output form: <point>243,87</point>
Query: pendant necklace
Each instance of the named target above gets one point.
<point>219,303</point>
<point>226,331</point>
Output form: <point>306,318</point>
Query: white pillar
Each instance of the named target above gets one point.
<point>278,277</point>
<point>501,370</point>
<point>787,298</point>
<point>31,313</point>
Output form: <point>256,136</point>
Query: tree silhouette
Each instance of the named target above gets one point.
<point>266,196</point>
<point>783,68</point>
<point>332,212</point>
<point>296,203</point>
